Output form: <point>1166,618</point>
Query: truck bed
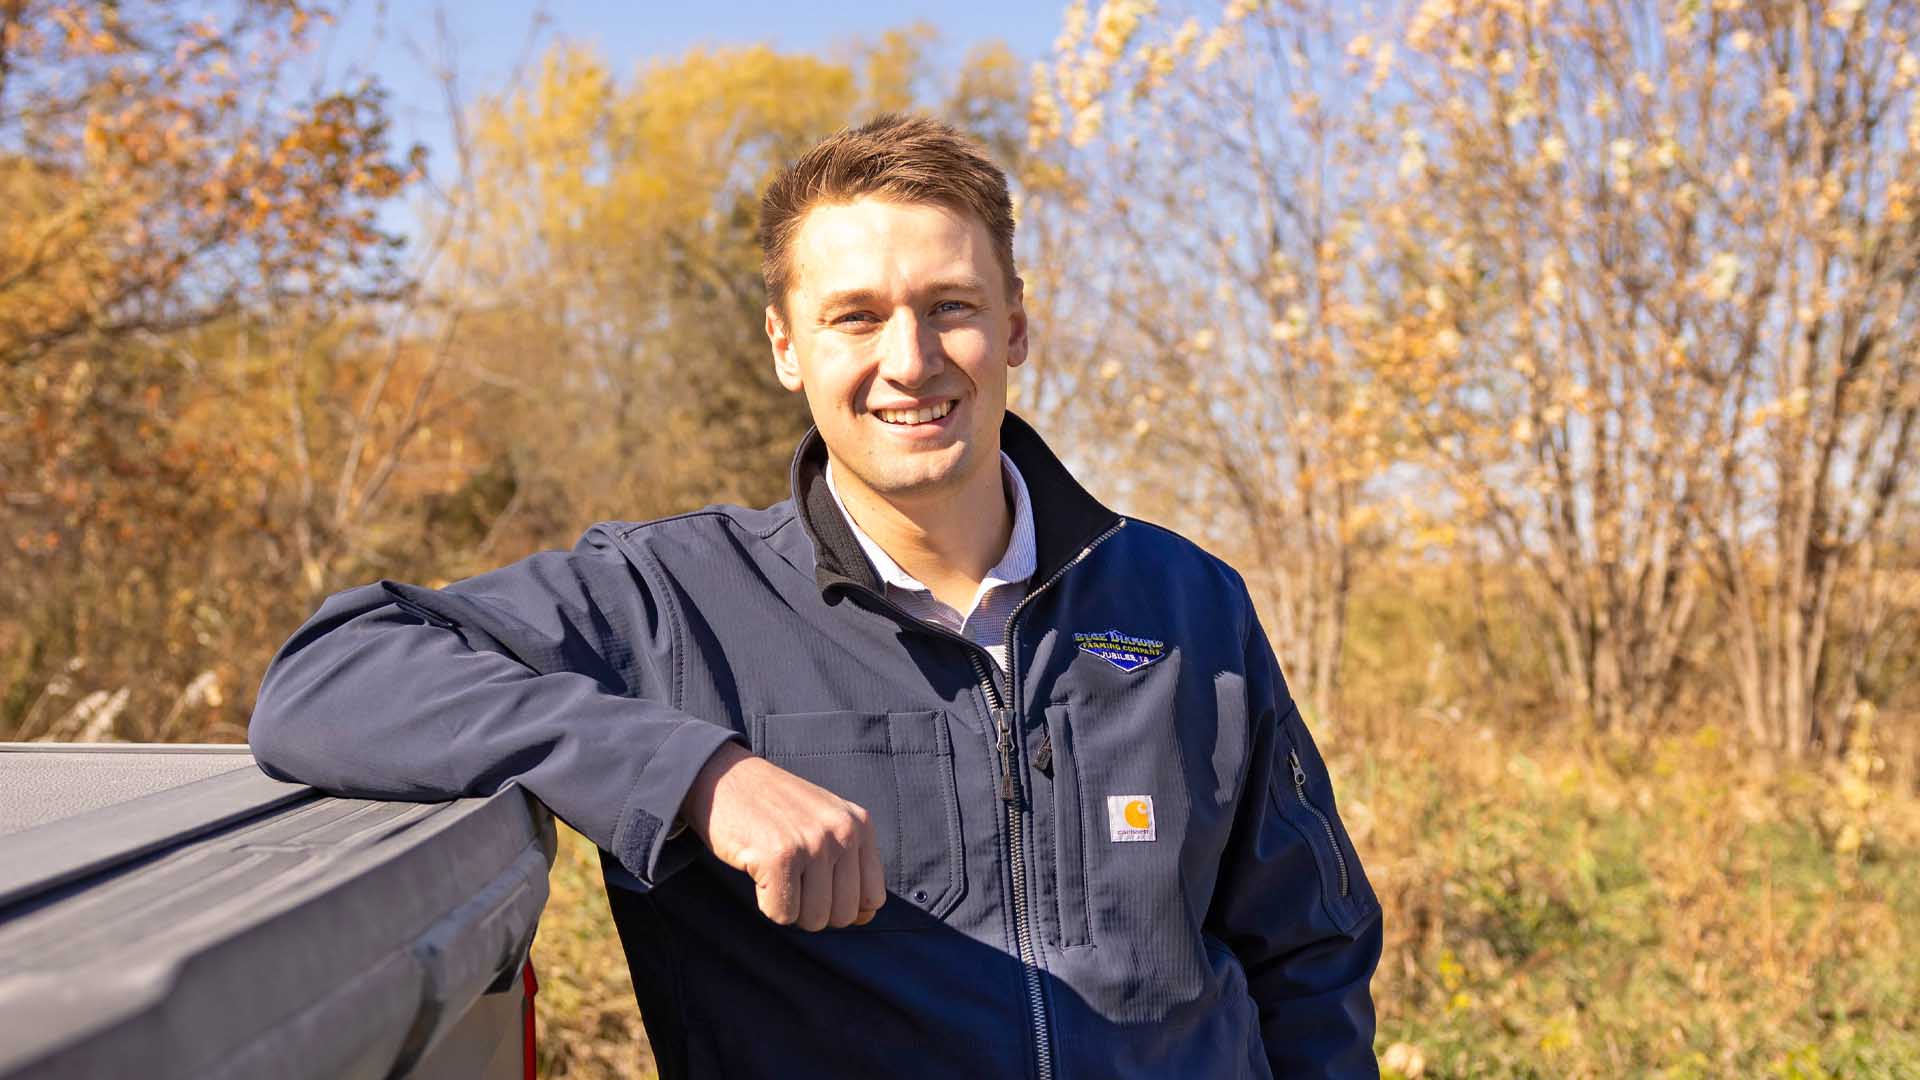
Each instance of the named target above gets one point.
<point>172,911</point>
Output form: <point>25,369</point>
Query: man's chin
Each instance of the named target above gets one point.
<point>919,476</point>
<point>913,487</point>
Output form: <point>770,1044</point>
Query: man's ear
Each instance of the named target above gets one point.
<point>1016,324</point>
<point>786,366</point>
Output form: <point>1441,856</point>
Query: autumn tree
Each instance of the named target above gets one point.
<point>1611,302</point>
<point>1666,351</point>
<point>161,173</point>
<point>161,185</point>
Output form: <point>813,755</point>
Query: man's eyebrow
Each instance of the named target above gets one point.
<point>965,285</point>
<point>846,298</point>
<point>959,285</point>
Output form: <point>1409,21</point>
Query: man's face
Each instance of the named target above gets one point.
<point>901,331</point>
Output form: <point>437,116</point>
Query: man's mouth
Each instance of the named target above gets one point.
<point>909,417</point>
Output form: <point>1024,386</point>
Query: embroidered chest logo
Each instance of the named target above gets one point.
<point>1129,818</point>
<point>1121,650</point>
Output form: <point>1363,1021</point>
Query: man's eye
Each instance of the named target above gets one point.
<point>851,316</point>
<point>959,305</point>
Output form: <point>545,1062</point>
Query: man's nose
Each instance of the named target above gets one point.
<point>910,352</point>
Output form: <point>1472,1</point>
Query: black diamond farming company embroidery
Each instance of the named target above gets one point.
<point>1123,651</point>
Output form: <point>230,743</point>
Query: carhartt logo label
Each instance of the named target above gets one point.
<point>1129,817</point>
<point>1123,651</point>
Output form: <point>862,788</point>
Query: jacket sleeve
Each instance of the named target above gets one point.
<point>556,672</point>
<point>1292,901</point>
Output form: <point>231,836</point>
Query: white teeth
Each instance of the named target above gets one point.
<point>914,416</point>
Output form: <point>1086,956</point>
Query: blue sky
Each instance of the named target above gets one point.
<point>395,40</point>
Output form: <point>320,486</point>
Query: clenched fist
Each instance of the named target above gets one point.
<point>811,853</point>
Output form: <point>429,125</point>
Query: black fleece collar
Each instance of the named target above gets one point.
<point>1065,517</point>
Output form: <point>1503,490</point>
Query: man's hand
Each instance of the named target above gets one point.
<point>811,853</point>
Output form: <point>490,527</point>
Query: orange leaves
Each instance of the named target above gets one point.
<point>171,163</point>
<point>87,29</point>
<point>46,542</point>
<point>309,203</point>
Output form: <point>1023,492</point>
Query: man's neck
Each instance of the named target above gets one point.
<point>947,540</point>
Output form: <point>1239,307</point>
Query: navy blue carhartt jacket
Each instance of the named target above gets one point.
<point>1120,858</point>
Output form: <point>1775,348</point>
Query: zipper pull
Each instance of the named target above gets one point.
<point>1043,755</point>
<point>1299,774</point>
<point>1002,720</point>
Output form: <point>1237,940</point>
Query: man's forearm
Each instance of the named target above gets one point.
<point>368,700</point>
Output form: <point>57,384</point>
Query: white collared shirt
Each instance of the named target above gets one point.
<point>985,622</point>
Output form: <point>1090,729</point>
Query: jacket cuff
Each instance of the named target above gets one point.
<point>654,804</point>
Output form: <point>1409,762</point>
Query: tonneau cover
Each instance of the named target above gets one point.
<point>179,914</point>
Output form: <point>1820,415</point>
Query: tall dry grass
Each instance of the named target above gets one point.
<point>1580,907</point>
<point>1556,905</point>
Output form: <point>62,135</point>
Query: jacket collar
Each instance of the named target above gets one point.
<point>1065,517</point>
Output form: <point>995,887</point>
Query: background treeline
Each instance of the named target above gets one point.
<point>1548,367</point>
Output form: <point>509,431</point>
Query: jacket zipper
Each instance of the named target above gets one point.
<point>1003,715</point>
<point>1300,790</point>
<point>1009,790</point>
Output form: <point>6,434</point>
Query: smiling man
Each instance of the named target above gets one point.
<point>939,767</point>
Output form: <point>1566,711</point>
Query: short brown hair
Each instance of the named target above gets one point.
<point>909,159</point>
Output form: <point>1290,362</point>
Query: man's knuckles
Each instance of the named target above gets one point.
<point>791,857</point>
<point>830,835</point>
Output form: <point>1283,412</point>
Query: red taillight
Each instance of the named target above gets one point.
<point>532,987</point>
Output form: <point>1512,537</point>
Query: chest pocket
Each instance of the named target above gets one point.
<point>899,767</point>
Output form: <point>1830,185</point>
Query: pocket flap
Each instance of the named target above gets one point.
<point>899,767</point>
<point>825,734</point>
